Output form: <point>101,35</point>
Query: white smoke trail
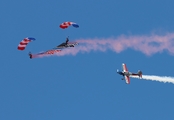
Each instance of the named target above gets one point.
<point>147,44</point>
<point>163,79</point>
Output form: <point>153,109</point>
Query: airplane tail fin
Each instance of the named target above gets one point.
<point>140,73</point>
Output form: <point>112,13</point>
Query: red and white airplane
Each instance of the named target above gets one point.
<point>126,74</point>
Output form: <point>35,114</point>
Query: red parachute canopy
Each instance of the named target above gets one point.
<point>22,45</point>
<point>67,24</point>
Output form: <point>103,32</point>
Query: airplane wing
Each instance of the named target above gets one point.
<point>66,45</point>
<point>72,44</point>
<point>63,45</point>
<point>59,47</point>
<point>124,67</point>
<point>127,78</point>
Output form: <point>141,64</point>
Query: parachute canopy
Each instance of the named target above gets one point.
<point>24,43</point>
<point>67,24</point>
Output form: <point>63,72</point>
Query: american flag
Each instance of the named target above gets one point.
<point>49,52</point>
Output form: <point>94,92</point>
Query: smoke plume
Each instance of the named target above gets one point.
<point>164,79</point>
<point>147,44</point>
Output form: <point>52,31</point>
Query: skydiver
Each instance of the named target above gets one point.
<point>67,40</point>
<point>30,55</point>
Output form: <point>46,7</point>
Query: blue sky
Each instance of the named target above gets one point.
<point>85,86</point>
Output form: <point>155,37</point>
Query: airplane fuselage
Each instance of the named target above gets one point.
<point>126,73</point>
<point>65,45</point>
<point>123,73</point>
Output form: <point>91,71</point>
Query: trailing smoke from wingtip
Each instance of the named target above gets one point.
<point>164,79</point>
<point>147,44</point>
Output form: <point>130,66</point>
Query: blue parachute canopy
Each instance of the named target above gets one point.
<point>31,38</point>
<point>75,25</point>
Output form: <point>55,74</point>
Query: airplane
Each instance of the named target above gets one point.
<point>126,74</point>
<point>66,44</point>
